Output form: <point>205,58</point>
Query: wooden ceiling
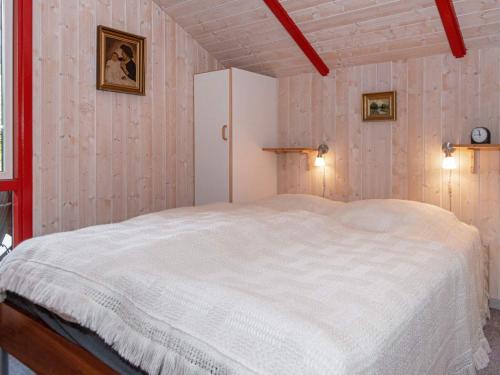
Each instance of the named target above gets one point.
<point>245,34</point>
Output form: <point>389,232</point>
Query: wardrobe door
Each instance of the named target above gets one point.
<point>255,125</point>
<point>211,134</point>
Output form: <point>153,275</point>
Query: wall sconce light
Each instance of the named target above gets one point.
<point>320,160</point>
<point>449,161</point>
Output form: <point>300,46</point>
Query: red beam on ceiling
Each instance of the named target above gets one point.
<point>452,27</point>
<point>290,26</point>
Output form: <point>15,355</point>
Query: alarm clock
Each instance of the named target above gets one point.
<point>480,135</point>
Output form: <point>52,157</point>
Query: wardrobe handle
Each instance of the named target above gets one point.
<point>224,135</point>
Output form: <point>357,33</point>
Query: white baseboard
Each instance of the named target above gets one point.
<point>495,303</point>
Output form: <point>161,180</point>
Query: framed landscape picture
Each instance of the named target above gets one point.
<point>120,61</point>
<point>379,106</point>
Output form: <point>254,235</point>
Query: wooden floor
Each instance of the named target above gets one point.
<point>17,368</point>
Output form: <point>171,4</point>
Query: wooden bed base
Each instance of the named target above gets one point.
<point>41,349</point>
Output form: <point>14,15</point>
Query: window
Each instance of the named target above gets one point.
<point>6,92</point>
<point>16,63</point>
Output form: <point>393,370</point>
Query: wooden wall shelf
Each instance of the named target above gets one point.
<point>494,147</point>
<point>474,148</point>
<point>290,150</point>
<point>309,151</point>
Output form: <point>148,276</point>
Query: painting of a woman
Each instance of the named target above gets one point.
<point>120,61</point>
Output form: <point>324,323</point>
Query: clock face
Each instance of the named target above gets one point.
<point>479,135</point>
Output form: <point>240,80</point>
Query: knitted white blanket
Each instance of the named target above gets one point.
<point>293,285</point>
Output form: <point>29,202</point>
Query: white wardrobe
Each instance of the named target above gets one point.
<point>236,115</point>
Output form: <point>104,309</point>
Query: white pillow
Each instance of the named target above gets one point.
<point>392,215</point>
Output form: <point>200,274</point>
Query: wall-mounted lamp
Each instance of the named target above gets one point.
<point>449,161</point>
<point>320,160</point>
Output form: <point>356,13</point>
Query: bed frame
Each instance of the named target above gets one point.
<point>41,349</point>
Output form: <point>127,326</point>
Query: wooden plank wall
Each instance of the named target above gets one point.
<point>440,99</point>
<point>102,157</point>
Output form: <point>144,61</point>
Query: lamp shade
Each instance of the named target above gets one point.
<point>449,162</point>
<point>319,161</point>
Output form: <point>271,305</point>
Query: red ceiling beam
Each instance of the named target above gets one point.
<point>297,35</point>
<point>452,27</point>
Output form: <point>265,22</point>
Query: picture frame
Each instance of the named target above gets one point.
<point>380,106</point>
<point>121,61</point>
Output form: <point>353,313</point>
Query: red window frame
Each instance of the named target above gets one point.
<point>22,183</point>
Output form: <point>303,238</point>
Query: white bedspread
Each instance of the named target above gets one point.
<point>292,285</point>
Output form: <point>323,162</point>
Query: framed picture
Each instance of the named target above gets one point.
<point>379,106</point>
<point>120,61</point>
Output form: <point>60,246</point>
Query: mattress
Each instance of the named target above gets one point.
<point>293,284</point>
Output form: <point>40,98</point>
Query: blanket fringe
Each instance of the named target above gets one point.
<point>481,358</point>
<point>140,351</point>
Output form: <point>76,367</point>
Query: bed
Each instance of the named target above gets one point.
<point>290,285</point>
